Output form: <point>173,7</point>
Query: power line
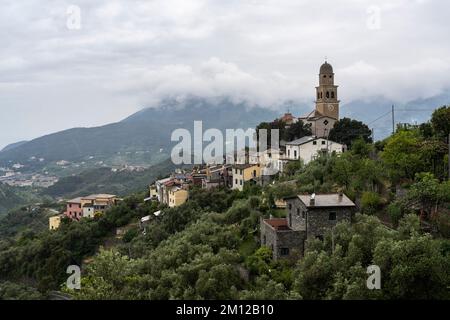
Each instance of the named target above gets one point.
<point>380,117</point>
<point>408,110</point>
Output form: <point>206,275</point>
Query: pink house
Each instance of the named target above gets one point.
<point>74,209</point>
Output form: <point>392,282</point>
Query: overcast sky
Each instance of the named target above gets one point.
<point>58,71</point>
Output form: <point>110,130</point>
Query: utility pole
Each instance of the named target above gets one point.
<point>393,120</point>
<point>373,135</point>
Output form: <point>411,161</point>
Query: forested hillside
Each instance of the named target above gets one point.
<point>104,180</point>
<point>14,197</point>
<point>146,132</point>
<point>209,247</point>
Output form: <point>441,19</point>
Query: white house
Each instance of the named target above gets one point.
<point>310,147</point>
<point>272,161</point>
<point>88,211</point>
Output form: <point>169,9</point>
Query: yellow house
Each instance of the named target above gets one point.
<point>54,222</point>
<point>243,173</point>
<point>177,196</point>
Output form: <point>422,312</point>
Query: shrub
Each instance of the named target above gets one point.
<point>370,202</point>
<point>395,213</point>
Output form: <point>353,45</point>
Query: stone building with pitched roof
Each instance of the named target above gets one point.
<point>308,217</point>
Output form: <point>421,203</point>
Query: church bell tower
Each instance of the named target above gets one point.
<point>327,103</point>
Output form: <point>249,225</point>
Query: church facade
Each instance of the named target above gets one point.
<point>326,112</point>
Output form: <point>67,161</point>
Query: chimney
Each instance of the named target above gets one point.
<point>341,196</point>
<point>312,200</point>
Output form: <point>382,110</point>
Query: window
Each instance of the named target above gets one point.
<point>289,152</point>
<point>323,141</point>
<point>70,205</point>
<point>303,214</point>
<point>321,95</point>
<point>290,206</point>
<point>298,211</point>
<point>332,216</point>
<point>254,173</point>
<point>314,142</point>
<point>328,94</point>
<point>235,181</point>
<point>241,182</point>
<point>295,154</point>
<point>332,94</point>
<point>284,251</point>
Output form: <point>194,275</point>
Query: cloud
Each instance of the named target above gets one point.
<point>130,54</point>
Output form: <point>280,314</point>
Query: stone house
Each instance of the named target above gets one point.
<point>281,239</point>
<point>308,216</point>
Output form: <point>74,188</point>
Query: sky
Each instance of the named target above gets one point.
<point>84,63</point>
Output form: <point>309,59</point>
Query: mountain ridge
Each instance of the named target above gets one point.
<point>148,130</point>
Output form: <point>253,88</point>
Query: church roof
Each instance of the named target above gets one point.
<point>326,68</point>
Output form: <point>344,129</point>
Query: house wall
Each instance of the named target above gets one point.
<point>277,240</point>
<point>54,222</point>
<point>238,179</point>
<point>251,173</point>
<point>309,151</point>
<point>240,176</point>
<point>296,214</point>
<point>153,192</point>
<point>177,198</point>
<point>316,221</point>
<point>74,210</point>
<point>88,212</point>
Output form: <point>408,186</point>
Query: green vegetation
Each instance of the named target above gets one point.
<point>346,131</point>
<point>286,132</point>
<point>209,247</point>
<point>14,197</point>
<point>104,180</point>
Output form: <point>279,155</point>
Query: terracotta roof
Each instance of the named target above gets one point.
<point>96,196</point>
<point>278,223</point>
<point>76,200</point>
<point>287,117</point>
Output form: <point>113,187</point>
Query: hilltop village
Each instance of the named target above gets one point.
<point>302,219</point>
<point>307,215</point>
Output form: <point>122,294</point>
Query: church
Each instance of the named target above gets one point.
<point>326,112</point>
